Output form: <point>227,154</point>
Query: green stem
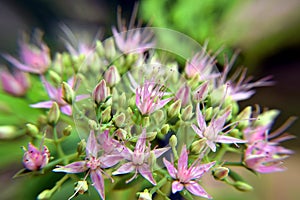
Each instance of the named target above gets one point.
<point>59,183</point>
<point>159,185</point>
<point>221,152</point>
<point>57,143</point>
<point>234,163</point>
<point>60,160</point>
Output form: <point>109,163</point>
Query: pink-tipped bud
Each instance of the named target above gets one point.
<point>112,76</point>
<point>201,92</point>
<point>100,92</point>
<point>15,84</point>
<point>35,159</point>
<point>184,95</point>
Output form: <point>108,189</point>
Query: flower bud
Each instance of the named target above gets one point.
<point>106,115</point>
<point>242,186</point>
<point>53,114</point>
<point>110,50</point>
<point>198,146</point>
<point>165,129</point>
<point>93,124</point>
<point>35,159</point>
<point>158,116</point>
<point>121,134</point>
<point>244,117</point>
<point>46,194</point>
<point>8,132</point>
<point>67,131</point>
<point>112,76</point>
<point>100,92</point>
<point>266,117</point>
<point>32,130</point>
<point>99,48</point>
<point>201,92</point>
<point>151,135</point>
<point>184,95</point>
<point>187,113</point>
<point>173,141</point>
<point>145,195</point>
<point>220,173</point>
<point>174,108</point>
<point>81,187</point>
<point>54,77</point>
<point>208,113</point>
<point>145,121</point>
<point>81,147</point>
<point>67,93</point>
<point>120,120</point>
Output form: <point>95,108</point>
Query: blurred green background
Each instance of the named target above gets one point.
<point>267,32</point>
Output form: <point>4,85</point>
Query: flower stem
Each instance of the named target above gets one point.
<point>57,143</point>
<point>159,185</point>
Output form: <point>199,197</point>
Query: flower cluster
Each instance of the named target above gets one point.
<point>135,114</point>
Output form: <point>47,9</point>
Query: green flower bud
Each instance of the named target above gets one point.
<point>8,132</point>
<point>121,134</point>
<point>106,115</point>
<point>151,135</point>
<point>158,116</point>
<point>53,114</point>
<point>173,141</point>
<point>93,124</point>
<point>46,194</point>
<point>120,120</point>
<point>99,48</point>
<point>32,130</point>
<point>122,100</point>
<point>81,147</point>
<point>220,173</point>
<point>266,117</point>
<point>208,113</point>
<point>244,117</point>
<point>242,186</point>
<point>67,93</point>
<point>174,108</point>
<point>146,121</point>
<point>165,129</point>
<point>110,50</point>
<point>187,113</point>
<point>55,77</point>
<point>81,187</point>
<point>198,146</point>
<point>68,130</point>
<point>66,60</point>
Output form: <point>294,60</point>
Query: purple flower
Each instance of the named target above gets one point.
<point>265,157</point>
<point>133,39</point>
<point>56,95</point>
<point>34,59</point>
<point>211,132</point>
<point>188,178</point>
<point>149,97</point>
<point>241,87</point>
<point>201,64</point>
<point>93,164</point>
<point>35,159</point>
<point>183,94</point>
<point>138,159</point>
<point>15,84</point>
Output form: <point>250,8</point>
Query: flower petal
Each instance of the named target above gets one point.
<point>183,159</point>
<point>200,119</point>
<point>43,104</point>
<point>92,145</point>
<point>125,169</point>
<point>229,140</point>
<point>194,188</point>
<point>160,151</point>
<point>171,169</point>
<point>98,182</point>
<point>141,143</point>
<point>75,167</point>
<point>145,171</point>
<point>176,186</point>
